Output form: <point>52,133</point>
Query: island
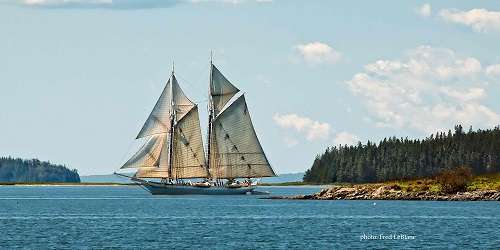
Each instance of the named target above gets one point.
<point>17,170</point>
<point>456,165</point>
<point>445,187</point>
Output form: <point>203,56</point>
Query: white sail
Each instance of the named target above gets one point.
<point>149,155</point>
<point>171,98</point>
<point>160,170</point>
<point>159,120</point>
<point>189,155</point>
<point>221,90</point>
<point>181,103</point>
<point>151,172</point>
<point>238,150</point>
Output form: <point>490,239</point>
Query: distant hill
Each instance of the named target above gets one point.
<point>105,178</point>
<point>19,170</point>
<point>291,177</point>
<point>116,179</point>
<point>402,158</point>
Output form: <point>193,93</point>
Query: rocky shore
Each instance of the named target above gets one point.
<point>392,192</point>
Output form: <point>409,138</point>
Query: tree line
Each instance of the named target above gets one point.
<point>402,158</point>
<point>19,170</point>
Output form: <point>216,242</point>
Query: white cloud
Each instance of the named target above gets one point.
<point>345,138</point>
<point>480,20</point>
<point>493,70</point>
<point>425,10</point>
<point>313,130</point>
<point>317,53</point>
<point>431,90</point>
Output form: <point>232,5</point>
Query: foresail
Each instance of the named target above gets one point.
<point>151,172</point>
<point>159,120</point>
<point>150,154</point>
<point>151,160</point>
<point>239,153</point>
<point>189,156</point>
<point>221,90</point>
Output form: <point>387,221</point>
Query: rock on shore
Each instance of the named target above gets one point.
<point>392,192</point>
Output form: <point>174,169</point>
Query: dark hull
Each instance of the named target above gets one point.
<point>168,189</point>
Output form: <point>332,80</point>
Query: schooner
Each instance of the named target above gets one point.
<point>173,160</point>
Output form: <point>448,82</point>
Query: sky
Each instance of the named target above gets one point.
<point>78,78</point>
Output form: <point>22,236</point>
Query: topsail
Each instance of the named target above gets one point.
<point>221,90</point>
<point>172,100</point>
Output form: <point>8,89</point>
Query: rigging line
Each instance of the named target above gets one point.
<point>234,145</point>
<point>140,185</point>
<point>128,151</point>
<point>202,101</point>
<point>245,165</point>
<point>159,121</point>
<point>188,166</point>
<point>193,86</point>
<point>223,94</point>
<point>150,154</point>
<point>189,146</point>
<point>150,135</point>
<point>140,149</point>
<point>258,153</point>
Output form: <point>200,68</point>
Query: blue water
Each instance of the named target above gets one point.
<point>130,218</point>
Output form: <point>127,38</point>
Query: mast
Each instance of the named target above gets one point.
<point>170,147</point>
<point>171,130</point>
<point>210,116</point>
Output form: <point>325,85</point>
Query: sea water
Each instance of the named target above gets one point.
<point>127,217</point>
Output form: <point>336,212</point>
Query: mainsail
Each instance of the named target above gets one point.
<point>235,149</point>
<point>174,148</point>
<point>189,156</point>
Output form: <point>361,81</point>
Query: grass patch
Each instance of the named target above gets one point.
<point>476,183</point>
<point>433,184</point>
<point>485,182</point>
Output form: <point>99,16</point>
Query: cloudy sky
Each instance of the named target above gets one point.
<point>79,77</point>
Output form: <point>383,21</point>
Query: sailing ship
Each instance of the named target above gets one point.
<point>173,159</point>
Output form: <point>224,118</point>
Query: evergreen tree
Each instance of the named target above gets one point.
<point>402,158</point>
<point>19,170</point>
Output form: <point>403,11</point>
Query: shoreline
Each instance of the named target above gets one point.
<point>479,188</point>
<point>391,192</point>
